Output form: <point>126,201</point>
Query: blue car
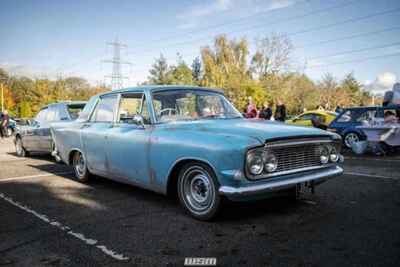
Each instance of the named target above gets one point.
<point>192,143</point>
<point>346,123</point>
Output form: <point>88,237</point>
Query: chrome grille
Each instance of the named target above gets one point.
<point>293,157</point>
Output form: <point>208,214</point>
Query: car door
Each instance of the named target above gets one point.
<point>44,136</point>
<point>31,135</point>
<point>128,140</point>
<point>94,133</point>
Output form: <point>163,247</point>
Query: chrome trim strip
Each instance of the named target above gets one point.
<point>273,174</point>
<point>276,185</point>
<point>296,142</point>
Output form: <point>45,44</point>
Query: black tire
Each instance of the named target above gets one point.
<point>349,138</point>
<point>80,168</point>
<point>198,191</point>
<point>19,148</point>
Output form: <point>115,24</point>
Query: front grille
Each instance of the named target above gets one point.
<point>300,156</point>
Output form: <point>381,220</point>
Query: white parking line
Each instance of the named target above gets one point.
<point>33,176</point>
<point>60,226</point>
<point>371,175</point>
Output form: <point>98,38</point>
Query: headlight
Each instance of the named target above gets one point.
<point>334,155</point>
<point>271,162</point>
<point>255,163</point>
<point>324,154</point>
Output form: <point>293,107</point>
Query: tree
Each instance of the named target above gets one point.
<point>272,55</point>
<point>181,74</point>
<point>196,70</point>
<point>160,72</point>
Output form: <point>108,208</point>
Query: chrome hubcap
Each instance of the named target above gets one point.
<point>198,190</point>
<point>351,139</point>
<point>80,165</point>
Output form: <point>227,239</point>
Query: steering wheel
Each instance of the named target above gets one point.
<point>171,111</point>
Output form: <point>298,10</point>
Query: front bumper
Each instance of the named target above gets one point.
<point>274,185</point>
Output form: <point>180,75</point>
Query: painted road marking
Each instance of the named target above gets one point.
<point>34,176</point>
<point>67,229</point>
<point>370,175</point>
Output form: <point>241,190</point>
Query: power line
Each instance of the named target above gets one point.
<point>219,25</point>
<point>348,37</point>
<point>116,75</point>
<point>326,26</point>
<point>355,60</point>
<point>356,51</point>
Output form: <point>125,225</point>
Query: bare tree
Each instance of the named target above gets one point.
<point>272,55</point>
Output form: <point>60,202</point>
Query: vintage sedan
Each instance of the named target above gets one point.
<point>36,137</point>
<point>192,142</point>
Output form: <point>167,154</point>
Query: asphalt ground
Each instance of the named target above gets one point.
<point>48,219</point>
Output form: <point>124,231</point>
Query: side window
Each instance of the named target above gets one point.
<point>105,109</point>
<point>41,116</point>
<point>345,117</point>
<point>131,105</point>
<point>51,114</point>
<point>306,117</point>
<point>366,115</point>
<point>85,113</point>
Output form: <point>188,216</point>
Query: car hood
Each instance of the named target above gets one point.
<point>258,129</point>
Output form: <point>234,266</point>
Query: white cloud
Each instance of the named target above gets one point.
<point>192,16</point>
<point>384,81</point>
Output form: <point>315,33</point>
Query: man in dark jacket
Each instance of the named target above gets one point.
<point>4,124</point>
<point>266,112</point>
<point>280,111</point>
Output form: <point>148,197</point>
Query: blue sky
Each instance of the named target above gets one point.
<point>45,37</point>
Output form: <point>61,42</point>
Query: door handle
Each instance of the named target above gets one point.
<point>85,125</point>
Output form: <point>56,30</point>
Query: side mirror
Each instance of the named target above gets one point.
<point>138,120</point>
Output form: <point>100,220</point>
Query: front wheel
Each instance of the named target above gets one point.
<point>79,163</point>
<point>351,138</point>
<point>198,191</point>
<point>9,132</point>
<point>19,148</point>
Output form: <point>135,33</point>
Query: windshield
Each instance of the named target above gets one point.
<point>177,105</point>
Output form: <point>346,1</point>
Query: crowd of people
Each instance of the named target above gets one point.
<point>266,111</point>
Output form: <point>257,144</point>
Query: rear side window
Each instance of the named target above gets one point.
<point>85,113</point>
<point>105,109</point>
<point>346,116</point>
<point>367,115</point>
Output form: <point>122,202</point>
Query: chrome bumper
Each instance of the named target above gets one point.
<point>277,185</point>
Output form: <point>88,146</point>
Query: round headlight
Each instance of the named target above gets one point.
<point>255,163</point>
<point>271,162</point>
<point>334,155</point>
<point>324,154</point>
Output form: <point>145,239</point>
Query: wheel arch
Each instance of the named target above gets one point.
<point>173,174</point>
<point>71,154</point>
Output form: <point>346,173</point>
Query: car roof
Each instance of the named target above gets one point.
<point>374,107</point>
<point>67,102</point>
<point>154,88</point>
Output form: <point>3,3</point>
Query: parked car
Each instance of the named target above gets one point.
<point>36,137</point>
<point>12,127</point>
<point>192,142</point>
<point>348,120</point>
<point>306,118</point>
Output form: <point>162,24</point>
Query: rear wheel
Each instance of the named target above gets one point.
<point>80,168</point>
<point>9,132</point>
<point>198,191</point>
<point>19,148</point>
<point>351,138</point>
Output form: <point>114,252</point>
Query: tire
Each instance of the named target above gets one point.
<point>80,168</point>
<point>19,148</point>
<point>198,191</point>
<point>350,138</point>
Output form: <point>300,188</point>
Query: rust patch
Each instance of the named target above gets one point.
<point>152,176</point>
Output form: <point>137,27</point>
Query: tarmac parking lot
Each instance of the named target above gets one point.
<point>48,219</point>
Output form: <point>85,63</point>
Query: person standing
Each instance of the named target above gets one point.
<point>4,124</point>
<point>251,111</point>
<point>266,112</point>
<point>280,111</point>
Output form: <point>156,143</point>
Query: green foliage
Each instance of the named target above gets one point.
<point>24,96</point>
<point>160,72</point>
